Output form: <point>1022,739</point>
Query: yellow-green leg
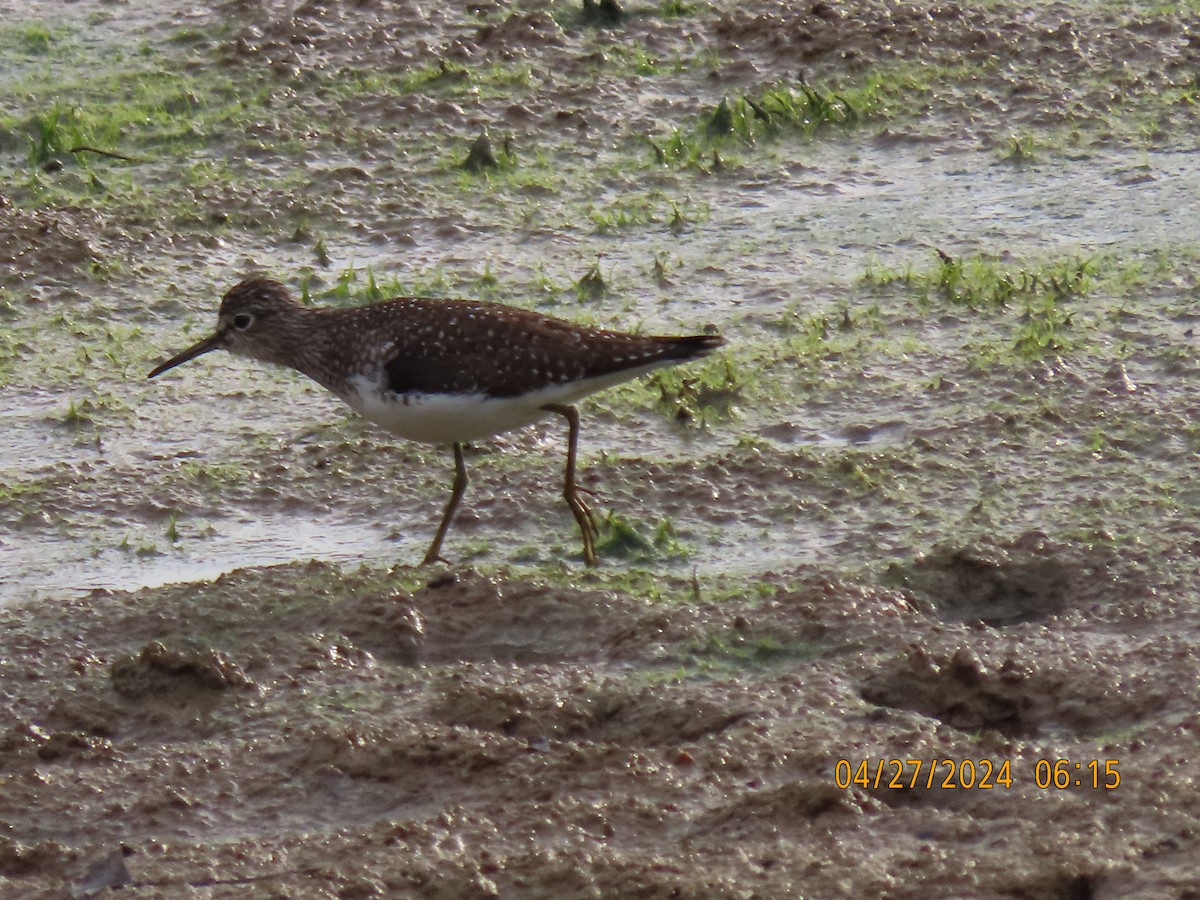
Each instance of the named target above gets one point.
<point>583,515</point>
<point>456,492</point>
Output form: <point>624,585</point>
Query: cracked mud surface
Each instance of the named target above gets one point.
<point>935,502</point>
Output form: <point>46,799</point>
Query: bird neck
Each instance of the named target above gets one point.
<point>313,349</point>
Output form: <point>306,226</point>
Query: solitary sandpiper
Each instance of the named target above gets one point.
<point>444,371</point>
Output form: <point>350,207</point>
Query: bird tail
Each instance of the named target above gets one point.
<point>692,346</point>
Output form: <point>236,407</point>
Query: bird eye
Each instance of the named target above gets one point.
<point>243,321</point>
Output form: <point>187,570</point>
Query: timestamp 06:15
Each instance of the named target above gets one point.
<point>974,774</point>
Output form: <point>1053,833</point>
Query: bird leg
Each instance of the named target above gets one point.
<point>456,492</point>
<point>583,514</point>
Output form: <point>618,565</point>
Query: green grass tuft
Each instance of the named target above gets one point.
<point>591,286</point>
<point>1040,293</point>
<point>619,538</point>
<point>700,395</point>
<point>980,282</point>
<point>723,653</point>
<point>783,110</point>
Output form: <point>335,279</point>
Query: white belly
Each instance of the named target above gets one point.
<point>446,419</point>
<point>456,418</point>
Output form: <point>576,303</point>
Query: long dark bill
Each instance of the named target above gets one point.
<point>210,343</point>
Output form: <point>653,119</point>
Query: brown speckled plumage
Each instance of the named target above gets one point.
<point>415,345</point>
<point>443,370</point>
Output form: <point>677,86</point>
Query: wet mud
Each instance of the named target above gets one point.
<point>897,594</point>
<point>304,730</point>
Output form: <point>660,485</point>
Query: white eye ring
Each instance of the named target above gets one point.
<point>242,321</point>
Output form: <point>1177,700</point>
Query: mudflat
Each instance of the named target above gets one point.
<point>897,593</point>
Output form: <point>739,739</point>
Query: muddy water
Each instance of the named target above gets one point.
<point>813,236</point>
<point>900,539</point>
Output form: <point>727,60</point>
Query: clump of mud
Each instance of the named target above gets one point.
<point>160,671</point>
<point>1031,579</point>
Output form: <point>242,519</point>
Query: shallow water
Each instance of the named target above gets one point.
<point>885,206</point>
